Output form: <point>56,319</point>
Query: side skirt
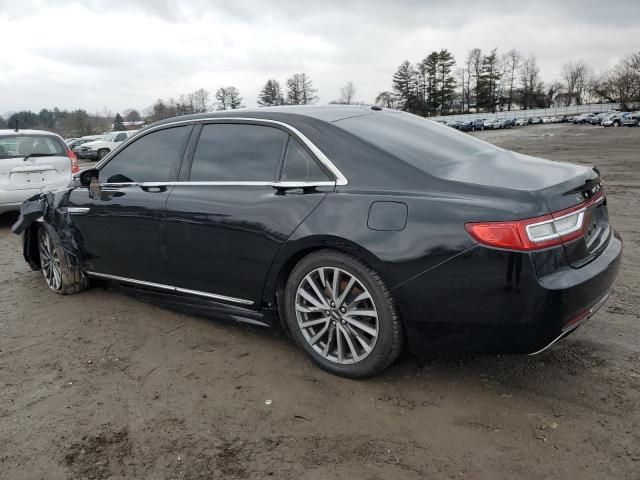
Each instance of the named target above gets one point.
<point>189,304</point>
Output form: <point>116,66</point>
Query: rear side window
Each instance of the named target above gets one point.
<point>430,147</point>
<point>300,166</point>
<point>12,146</point>
<point>237,153</point>
<point>152,158</point>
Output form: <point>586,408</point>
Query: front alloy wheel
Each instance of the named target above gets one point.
<point>62,273</point>
<point>49,261</point>
<point>341,313</point>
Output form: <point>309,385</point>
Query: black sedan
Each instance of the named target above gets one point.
<point>357,230</point>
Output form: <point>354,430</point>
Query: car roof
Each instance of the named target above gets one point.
<point>325,113</point>
<point>13,133</point>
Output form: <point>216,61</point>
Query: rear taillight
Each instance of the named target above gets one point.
<point>75,168</point>
<point>534,233</point>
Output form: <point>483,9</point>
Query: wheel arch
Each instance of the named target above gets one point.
<point>293,253</point>
<point>30,249</point>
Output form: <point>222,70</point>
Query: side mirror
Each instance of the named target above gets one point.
<point>87,176</point>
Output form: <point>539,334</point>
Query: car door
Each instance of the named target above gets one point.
<point>237,205</point>
<point>121,221</point>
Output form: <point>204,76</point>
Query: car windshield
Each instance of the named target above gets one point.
<point>422,143</point>
<point>109,137</point>
<point>12,146</point>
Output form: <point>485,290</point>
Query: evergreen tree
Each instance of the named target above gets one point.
<point>446,82</point>
<point>300,90</point>
<point>432,99</point>
<point>271,94</point>
<point>404,85</point>
<point>488,82</point>
<point>118,124</point>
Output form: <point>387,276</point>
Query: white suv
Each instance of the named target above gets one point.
<point>32,161</point>
<point>97,149</point>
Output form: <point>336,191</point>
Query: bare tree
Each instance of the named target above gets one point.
<point>347,93</point>
<point>576,77</point>
<point>511,60</point>
<point>552,90</point>
<point>131,115</point>
<point>300,90</point>
<point>622,83</point>
<point>387,99</point>
<point>228,98</point>
<point>199,100</point>
<point>474,68</point>
<point>530,82</point>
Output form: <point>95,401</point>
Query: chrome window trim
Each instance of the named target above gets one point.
<point>340,178</point>
<point>170,288</point>
<point>222,184</point>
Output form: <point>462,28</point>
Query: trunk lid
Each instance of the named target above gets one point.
<point>35,172</point>
<point>559,185</point>
<point>597,230</point>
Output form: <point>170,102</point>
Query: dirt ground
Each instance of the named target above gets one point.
<point>100,385</point>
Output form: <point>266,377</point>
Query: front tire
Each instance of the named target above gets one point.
<point>341,313</point>
<point>60,275</point>
<point>102,153</point>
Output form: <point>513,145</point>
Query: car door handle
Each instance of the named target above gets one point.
<point>153,188</point>
<point>78,210</point>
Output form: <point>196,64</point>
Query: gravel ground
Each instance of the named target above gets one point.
<point>100,385</point>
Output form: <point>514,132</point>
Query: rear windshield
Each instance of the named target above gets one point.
<point>12,146</point>
<point>427,145</point>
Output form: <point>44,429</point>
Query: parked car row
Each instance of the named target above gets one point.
<point>497,123</point>
<point>96,147</point>
<point>609,119</point>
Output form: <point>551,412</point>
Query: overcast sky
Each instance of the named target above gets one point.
<point>123,54</point>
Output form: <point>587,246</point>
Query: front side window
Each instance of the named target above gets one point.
<point>109,137</point>
<point>152,158</point>
<point>299,165</point>
<point>237,153</point>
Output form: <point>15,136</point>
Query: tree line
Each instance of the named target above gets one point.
<point>436,85</point>
<point>492,81</point>
<point>76,123</point>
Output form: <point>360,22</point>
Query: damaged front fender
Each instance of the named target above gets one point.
<point>39,209</point>
<point>33,209</point>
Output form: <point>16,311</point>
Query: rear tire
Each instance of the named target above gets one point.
<point>102,153</point>
<point>355,332</point>
<point>60,275</point>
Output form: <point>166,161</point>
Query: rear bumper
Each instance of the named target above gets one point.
<point>502,302</point>
<point>10,200</point>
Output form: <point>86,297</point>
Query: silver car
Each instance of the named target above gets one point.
<point>32,161</point>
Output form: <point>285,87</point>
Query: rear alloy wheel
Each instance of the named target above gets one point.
<point>61,276</point>
<point>342,314</point>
